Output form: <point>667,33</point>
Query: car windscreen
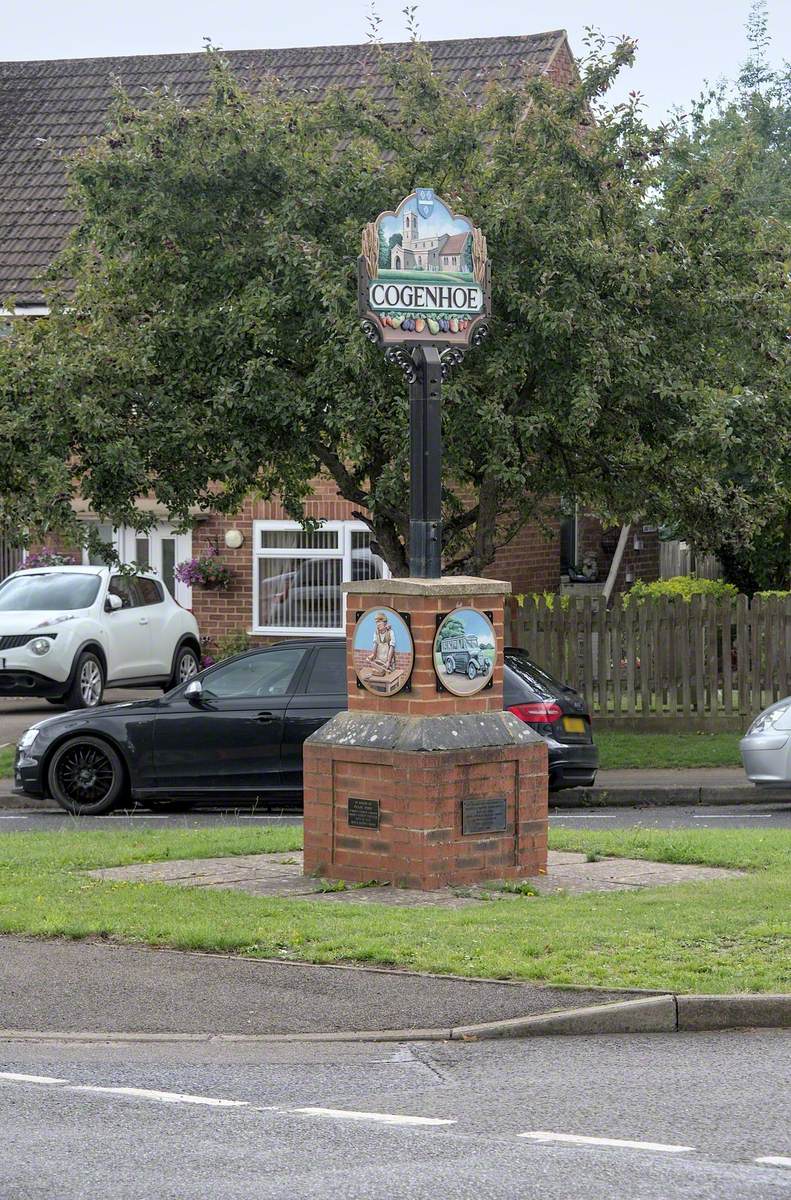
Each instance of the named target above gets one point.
<point>54,591</point>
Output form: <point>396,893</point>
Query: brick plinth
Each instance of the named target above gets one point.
<point>419,842</point>
<point>422,758</point>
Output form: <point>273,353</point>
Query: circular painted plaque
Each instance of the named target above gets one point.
<point>383,651</point>
<point>464,651</point>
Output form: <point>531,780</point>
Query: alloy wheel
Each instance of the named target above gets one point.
<point>85,774</point>
<point>90,683</point>
<point>187,667</point>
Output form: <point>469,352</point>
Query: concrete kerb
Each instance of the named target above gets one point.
<point>667,1013</point>
<point>658,797</point>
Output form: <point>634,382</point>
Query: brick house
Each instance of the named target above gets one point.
<point>285,581</point>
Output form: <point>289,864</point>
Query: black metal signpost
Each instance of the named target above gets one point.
<point>425,307</point>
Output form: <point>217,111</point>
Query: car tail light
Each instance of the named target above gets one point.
<point>538,713</point>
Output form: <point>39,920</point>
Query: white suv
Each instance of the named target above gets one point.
<point>66,633</point>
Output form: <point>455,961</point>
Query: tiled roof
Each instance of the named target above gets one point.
<point>455,243</point>
<point>50,108</point>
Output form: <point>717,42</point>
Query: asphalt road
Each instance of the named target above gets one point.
<point>744,816</point>
<point>195,1121</point>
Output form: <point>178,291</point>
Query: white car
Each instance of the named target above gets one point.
<point>66,633</point>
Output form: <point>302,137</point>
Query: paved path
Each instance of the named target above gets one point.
<point>80,986</point>
<point>280,875</point>
<point>660,1117</point>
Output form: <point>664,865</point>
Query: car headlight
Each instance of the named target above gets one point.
<point>28,738</point>
<point>41,645</point>
<point>770,716</point>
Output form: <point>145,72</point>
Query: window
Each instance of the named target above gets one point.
<point>123,586</point>
<point>150,591</point>
<point>298,574</point>
<point>328,673</point>
<point>257,676</point>
<point>107,534</point>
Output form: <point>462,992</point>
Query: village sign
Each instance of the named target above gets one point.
<point>424,296</point>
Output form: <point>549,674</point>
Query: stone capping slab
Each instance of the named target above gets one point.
<point>450,585</point>
<point>391,731</point>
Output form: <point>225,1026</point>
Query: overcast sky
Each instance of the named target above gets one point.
<point>682,43</point>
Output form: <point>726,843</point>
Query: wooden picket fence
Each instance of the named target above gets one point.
<point>666,658</point>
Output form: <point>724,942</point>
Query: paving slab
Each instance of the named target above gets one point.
<point>280,875</point>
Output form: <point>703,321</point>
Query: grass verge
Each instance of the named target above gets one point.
<point>727,936</point>
<point>657,750</point>
<point>6,762</point>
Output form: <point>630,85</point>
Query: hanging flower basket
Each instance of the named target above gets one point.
<point>206,572</point>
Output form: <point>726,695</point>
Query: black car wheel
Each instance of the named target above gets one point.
<point>86,776</point>
<point>472,670</point>
<point>185,665</point>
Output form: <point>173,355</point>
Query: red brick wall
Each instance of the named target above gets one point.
<point>639,564</point>
<point>563,69</point>
<point>531,560</point>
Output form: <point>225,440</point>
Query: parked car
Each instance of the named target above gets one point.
<point>236,730</point>
<point>66,633</point>
<point>766,747</point>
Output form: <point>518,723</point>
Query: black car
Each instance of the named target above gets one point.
<point>236,731</point>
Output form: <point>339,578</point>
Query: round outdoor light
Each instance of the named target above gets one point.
<point>234,538</point>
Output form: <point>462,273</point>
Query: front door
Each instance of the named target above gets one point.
<point>159,549</point>
<point>230,741</point>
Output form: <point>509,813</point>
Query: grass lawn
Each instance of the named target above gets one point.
<point>620,750</point>
<point>726,936</point>
<point>6,762</point>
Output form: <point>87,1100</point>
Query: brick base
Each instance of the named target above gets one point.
<point>419,842</point>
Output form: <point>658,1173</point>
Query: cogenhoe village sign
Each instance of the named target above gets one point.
<point>424,296</point>
<point>424,276</point>
<point>424,781</point>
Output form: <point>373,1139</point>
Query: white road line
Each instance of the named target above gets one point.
<point>13,1077</point>
<point>13,817</point>
<point>774,1160</point>
<point>133,817</point>
<point>578,1140</point>
<point>731,816</point>
<point>585,817</point>
<point>383,1118</point>
<point>167,1097</point>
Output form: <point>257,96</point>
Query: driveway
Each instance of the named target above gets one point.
<point>17,715</point>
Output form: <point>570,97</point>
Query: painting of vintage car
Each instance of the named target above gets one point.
<point>464,651</point>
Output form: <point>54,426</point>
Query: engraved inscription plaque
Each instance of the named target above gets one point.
<point>363,814</point>
<point>484,816</point>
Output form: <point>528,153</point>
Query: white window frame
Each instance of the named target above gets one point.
<point>345,530</point>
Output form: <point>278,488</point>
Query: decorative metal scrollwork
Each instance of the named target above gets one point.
<point>479,334</point>
<point>370,331</point>
<point>398,357</point>
<point>451,357</point>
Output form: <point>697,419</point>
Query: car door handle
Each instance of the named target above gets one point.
<point>265,717</point>
<point>143,620</point>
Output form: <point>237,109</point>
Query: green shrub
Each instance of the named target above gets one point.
<point>235,642</point>
<point>680,587</point>
<point>773,594</point>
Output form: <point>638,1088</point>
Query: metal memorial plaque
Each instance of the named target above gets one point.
<point>484,816</point>
<point>363,814</point>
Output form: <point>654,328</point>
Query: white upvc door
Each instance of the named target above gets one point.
<point>160,549</point>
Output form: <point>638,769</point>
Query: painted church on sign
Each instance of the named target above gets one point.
<point>445,252</point>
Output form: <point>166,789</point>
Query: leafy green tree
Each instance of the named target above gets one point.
<point>736,140</point>
<point>203,339</point>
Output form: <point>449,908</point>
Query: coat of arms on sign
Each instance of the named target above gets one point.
<point>423,274</point>
<point>382,651</point>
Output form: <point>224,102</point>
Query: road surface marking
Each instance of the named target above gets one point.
<point>13,816</point>
<point>15,1078</point>
<point>384,1118</point>
<point>168,1097</point>
<point>578,1140</point>
<point>774,1160</point>
<point>730,816</point>
<point>584,817</point>
<point>133,817</point>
